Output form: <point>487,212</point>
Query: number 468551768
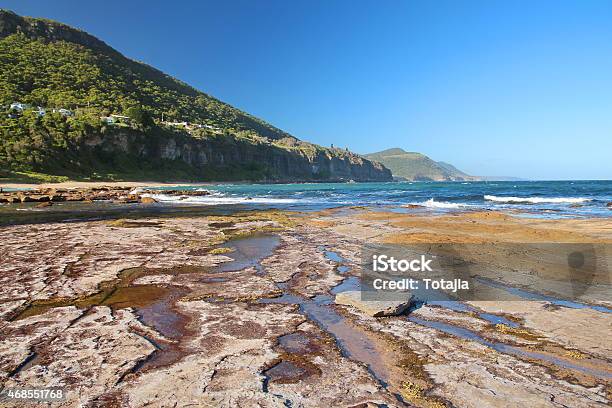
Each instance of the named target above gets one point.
<point>33,394</point>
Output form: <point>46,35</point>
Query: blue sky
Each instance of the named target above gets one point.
<point>516,88</point>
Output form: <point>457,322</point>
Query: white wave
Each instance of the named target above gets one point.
<point>214,199</point>
<point>537,200</point>
<point>431,203</point>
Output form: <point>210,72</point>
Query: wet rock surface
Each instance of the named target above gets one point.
<point>238,310</point>
<point>122,312</point>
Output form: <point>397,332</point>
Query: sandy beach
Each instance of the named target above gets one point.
<point>164,310</point>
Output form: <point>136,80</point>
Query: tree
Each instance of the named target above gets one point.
<point>139,116</point>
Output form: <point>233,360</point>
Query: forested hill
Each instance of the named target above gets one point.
<point>416,166</point>
<point>101,114</point>
<point>47,63</point>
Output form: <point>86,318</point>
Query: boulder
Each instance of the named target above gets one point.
<point>74,197</point>
<point>148,200</point>
<point>177,192</point>
<point>194,192</point>
<point>124,200</point>
<point>609,205</point>
<point>26,199</point>
<point>375,308</point>
<point>44,204</point>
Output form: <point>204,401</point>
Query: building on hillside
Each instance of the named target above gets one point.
<point>40,111</point>
<point>64,112</point>
<point>18,106</point>
<point>211,127</point>
<point>116,119</point>
<point>190,126</point>
<point>121,117</point>
<point>184,124</point>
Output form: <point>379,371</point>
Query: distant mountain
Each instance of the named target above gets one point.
<point>418,167</point>
<point>502,178</point>
<point>73,106</point>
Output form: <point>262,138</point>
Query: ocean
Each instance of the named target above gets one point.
<point>548,199</point>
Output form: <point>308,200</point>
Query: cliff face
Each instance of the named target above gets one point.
<point>229,158</point>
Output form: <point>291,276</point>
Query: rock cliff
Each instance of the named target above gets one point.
<point>234,158</point>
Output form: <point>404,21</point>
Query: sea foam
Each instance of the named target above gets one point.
<point>431,203</point>
<point>537,200</point>
<point>216,199</point>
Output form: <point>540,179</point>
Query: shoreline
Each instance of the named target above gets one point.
<point>568,200</point>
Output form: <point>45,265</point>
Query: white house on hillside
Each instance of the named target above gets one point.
<point>64,112</point>
<point>115,119</point>
<point>18,106</point>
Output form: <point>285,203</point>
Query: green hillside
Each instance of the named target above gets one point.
<point>417,166</point>
<point>50,65</point>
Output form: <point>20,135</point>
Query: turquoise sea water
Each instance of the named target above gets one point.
<point>531,198</point>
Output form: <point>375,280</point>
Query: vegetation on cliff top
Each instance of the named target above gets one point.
<point>48,64</point>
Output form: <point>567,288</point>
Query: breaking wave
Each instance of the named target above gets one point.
<point>431,203</point>
<point>537,200</point>
<point>216,199</point>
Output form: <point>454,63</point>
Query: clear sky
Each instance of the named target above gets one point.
<point>517,88</point>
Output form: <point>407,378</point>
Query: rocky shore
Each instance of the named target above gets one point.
<point>118,194</point>
<point>246,309</point>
